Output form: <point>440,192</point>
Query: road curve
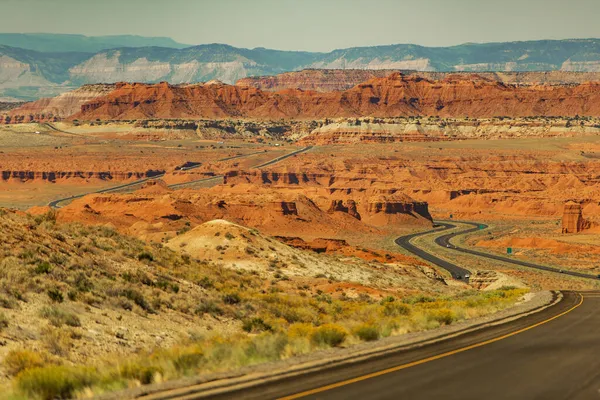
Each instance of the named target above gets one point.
<point>270,162</point>
<point>555,359</point>
<point>550,354</point>
<point>56,203</point>
<point>405,242</point>
<point>444,241</point>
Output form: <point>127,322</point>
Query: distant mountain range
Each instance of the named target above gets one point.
<point>39,65</point>
<point>51,42</point>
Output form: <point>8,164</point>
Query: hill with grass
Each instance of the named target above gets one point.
<point>75,298</point>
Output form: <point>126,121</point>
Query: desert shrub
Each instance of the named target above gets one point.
<point>55,382</point>
<point>255,325</point>
<point>444,316</point>
<point>265,347</point>
<point>3,321</point>
<point>208,307</point>
<point>145,256</point>
<point>59,317</point>
<point>329,335</point>
<point>82,283</point>
<point>395,309</point>
<point>231,298</point>
<point>43,267</point>
<point>56,295</point>
<point>367,332</point>
<point>7,303</point>
<point>300,330</point>
<point>20,360</point>
<point>50,217</point>
<point>142,372</point>
<point>137,298</point>
<point>421,298</point>
<point>56,342</point>
<point>188,360</point>
<point>205,282</point>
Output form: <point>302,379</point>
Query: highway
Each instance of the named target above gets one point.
<point>459,272</point>
<point>550,354</point>
<point>557,359</point>
<point>266,164</point>
<point>456,271</point>
<point>56,203</point>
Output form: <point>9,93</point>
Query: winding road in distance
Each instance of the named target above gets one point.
<point>56,203</point>
<point>459,272</point>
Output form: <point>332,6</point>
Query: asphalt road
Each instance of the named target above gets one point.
<point>270,162</point>
<point>444,241</point>
<point>457,272</point>
<point>56,203</point>
<point>556,360</point>
<point>551,354</point>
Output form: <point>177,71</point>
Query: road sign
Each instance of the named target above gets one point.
<point>481,227</point>
<point>451,216</point>
<point>509,250</point>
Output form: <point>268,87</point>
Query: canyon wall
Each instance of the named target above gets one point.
<point>327,80</point>
<point>395,95</point>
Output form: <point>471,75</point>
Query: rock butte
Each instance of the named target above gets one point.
<point>572,220</point>
<point>326,80</point>
<point>457,95</point>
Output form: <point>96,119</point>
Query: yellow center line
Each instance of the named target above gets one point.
<point>426,360</point>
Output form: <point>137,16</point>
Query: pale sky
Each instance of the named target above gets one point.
<point>313,25</point>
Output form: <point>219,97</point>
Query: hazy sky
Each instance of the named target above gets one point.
<point>315,25</point>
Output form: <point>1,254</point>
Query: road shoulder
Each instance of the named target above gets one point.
<point>219,384</point>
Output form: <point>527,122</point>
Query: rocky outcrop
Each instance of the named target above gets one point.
<point>61,106</point>
<point>345,206</point>
<point>327,80</point>
<point>320,80</point>
<point>395,95</point>
<point>572,220</point>
<point>56,176</point>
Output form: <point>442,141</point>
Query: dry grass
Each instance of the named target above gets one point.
<point>61,274</point>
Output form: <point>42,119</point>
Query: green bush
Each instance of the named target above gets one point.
<point>187,361</point>
<point>54,382</point>
<point>395,309</point>
<point>208,307</point>
<point>142,373</point>
<point>56,295</point>
<point>329,335</point>
<point>231,298</point>
<point>256,325</point>
<point>3,321</point>
<point>367,332</point>
<point>146,256</point>
<point>59,317</point>
<point>138,299</point>
<point>444,316</point>
<point>20,360</point>
<point>43,268</point>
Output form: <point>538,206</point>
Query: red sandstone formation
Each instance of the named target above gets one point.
<point>278,210</point>
<point>327,80</point>
<point>61,106</point>
<point>572,220</point>
<point>395,95</point>
<point>320,80</point>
